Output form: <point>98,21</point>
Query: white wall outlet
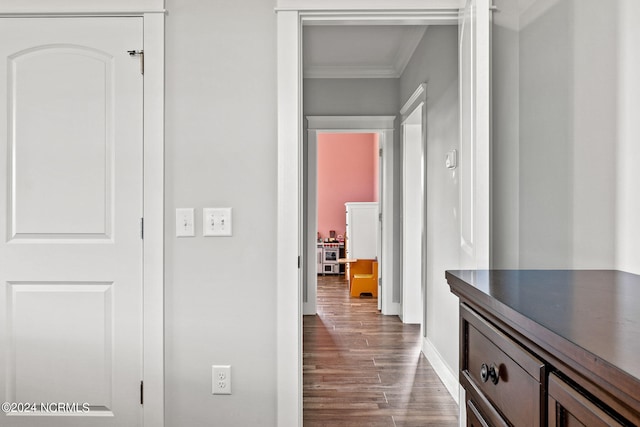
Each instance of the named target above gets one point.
<point>216,222</point>
<point>221,379</point>
<point>185,226</point>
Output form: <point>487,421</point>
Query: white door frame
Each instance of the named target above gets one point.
<point>291,16</point>
<point>153,14</point>
<point>418,100</point>
<point>383,126</point>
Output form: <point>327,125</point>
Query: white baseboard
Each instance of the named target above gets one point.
<point>447,376</point>
<point>392,309</point>
<point>462,409</point>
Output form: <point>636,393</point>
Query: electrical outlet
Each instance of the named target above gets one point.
<point>221,379</point>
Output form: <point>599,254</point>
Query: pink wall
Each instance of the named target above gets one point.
<point>376,168</point>
<point>347,172</point>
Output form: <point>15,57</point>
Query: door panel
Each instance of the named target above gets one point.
<point>70,209</point>
<point>63,78</point>
<point>47,197</point>
<point>79,376</point>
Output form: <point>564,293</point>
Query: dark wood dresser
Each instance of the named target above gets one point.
<point>549,347</point>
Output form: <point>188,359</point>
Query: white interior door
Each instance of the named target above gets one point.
<point>412,216</point>
<point>70,209</point>
<point>474,162</point>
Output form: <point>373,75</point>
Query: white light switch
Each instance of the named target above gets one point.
<point>216,221</point>
<point>185,223</point>
<point>451,162</point>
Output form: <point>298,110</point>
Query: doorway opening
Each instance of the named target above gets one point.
<point>348,166</point>
<point>380,128</point>
<point>291,170</point>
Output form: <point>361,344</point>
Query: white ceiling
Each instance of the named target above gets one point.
<point>360,51</point>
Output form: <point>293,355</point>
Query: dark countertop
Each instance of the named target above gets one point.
<point>591,317</point>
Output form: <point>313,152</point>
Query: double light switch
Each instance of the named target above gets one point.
<point>215,222</point>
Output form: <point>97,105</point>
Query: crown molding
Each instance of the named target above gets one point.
<point>351,72</point>
<point>81,7</point>
<point>350,123</point>
<point>368,4</point>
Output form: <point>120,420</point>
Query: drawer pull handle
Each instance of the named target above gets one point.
<point>487,372</point>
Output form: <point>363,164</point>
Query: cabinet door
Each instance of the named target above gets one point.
<point>362,230</point>
<point>569,408</point>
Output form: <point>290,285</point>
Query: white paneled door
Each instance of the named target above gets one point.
<point>70,214</point>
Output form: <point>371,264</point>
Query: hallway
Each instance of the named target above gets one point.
<point>364,369</point>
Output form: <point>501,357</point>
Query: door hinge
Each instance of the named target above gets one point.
<point>142,228</point>
<point>380,152</point>
<point>139,53</point>
<point>298,261</point>
<point>380,217</point>
<point>142,392</point>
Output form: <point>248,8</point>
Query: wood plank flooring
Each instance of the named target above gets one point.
<point>364,369</point>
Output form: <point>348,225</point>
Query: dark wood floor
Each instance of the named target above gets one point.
<point>364,369</point>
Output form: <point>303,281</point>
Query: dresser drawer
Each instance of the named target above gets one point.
<point>506,375</point>
<point>569,406</point>
<point>474,419</point>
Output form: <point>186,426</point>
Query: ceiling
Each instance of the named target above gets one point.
<point>360,51</point>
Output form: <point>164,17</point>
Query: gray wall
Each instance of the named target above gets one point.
<point>357,97</point>
<point>545,141</point>
<point>435,61</point>
<point>554,134</point>
<point>595,134</point>
<point>505,163</point>
<point>221,152</point>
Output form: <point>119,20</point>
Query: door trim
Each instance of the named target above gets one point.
<point>415,102</point>
<point>153,211</point>
<point>384,127</point>
<point>153,177</point>
<point>290,19</point>
<point>419,98</point>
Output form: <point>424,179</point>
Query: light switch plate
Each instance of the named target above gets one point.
<point>451,162</point>
<point>216,222</point>
<point>185,226</point>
